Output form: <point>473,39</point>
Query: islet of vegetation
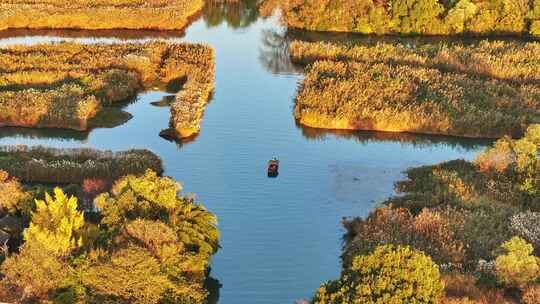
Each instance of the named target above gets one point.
<point>66,85</point>
<point>98,14</point>
<point>457,232</point>
<point>486,89</point>
<point>412,17</point>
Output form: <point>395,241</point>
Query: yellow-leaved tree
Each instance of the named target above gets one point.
<point>517,267</point>
<point>56,224</point>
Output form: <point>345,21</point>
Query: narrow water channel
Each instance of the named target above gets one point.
<point>281,237</point>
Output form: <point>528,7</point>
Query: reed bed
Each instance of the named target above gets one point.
<point>74,166</point>
<point>64,85</point>
<point>488,89</point>
<point>98,14</point>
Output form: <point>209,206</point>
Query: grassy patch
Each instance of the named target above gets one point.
<point>487,89</point>
<point>63,166</point>
<point>98,15</point>
<point>66,85</point>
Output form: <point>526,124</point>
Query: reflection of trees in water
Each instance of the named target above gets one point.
<point>274,53</point>
<point>237,14</point>
<point>46,134</point>
<point>416,140</point>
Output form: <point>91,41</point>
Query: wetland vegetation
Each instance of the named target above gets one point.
<point>143,243</point>
<point>425,17</point>
<point>87,226</point>
<point>66,85</point>
<point>475,223</point>
<point>482,89</point>
<point>98,14</point>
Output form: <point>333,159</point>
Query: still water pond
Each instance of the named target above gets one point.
<point>281,237</point>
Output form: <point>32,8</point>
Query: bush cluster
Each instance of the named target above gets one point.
<point>148,245</point>
<point>426,17</point>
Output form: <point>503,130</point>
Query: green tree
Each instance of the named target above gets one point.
<point>151,197</point>
<point>388,275</point>
<point>55,224</point>
<point>130,275</point>
<point>535,18</point>
<point>416,16</point>
<point>458,17</point>
<point>517,267</point>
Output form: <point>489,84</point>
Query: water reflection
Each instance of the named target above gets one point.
<point>43,134</point>
<point>236,14</point>
<point>415,140</point>
<point>274,52</point>
<point>111,34</point>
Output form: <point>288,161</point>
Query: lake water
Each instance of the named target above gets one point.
<point>281,237</point>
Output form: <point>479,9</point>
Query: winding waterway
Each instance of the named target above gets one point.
<point>281,237</point>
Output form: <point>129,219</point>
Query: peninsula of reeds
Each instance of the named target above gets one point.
<point>485,89</point>
<point>65,85</point>
<point>98,14</point>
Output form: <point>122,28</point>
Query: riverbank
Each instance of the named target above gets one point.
<point>99,15</point>
<point>463,216</point>
<point>479,90</point>
<point>66,85</point>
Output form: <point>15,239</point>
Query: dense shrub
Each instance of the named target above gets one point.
<point>13,198</point>
<point>431,232</point>
<point>517,267</point>
<point>388,275</point>
<point>527,226</point>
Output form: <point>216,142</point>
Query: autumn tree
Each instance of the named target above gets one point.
<point>56,224</point>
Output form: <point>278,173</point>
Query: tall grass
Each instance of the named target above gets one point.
<point>64,85</point>
<point>62,166</point>
<point>98,14</point>
<point>489,89</point>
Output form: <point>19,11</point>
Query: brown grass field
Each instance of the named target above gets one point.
<point>65,85</point>
<point>98,14</point>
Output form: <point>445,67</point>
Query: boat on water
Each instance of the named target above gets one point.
<point>273,167</point>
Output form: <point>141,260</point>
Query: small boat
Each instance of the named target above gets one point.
<point>273,168</point>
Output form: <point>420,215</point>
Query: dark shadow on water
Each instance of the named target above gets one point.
<point>116,34</point>
<point>416,140</point>
<point>213,286</point>
<point>166,101</point>
<point>47,134</point>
